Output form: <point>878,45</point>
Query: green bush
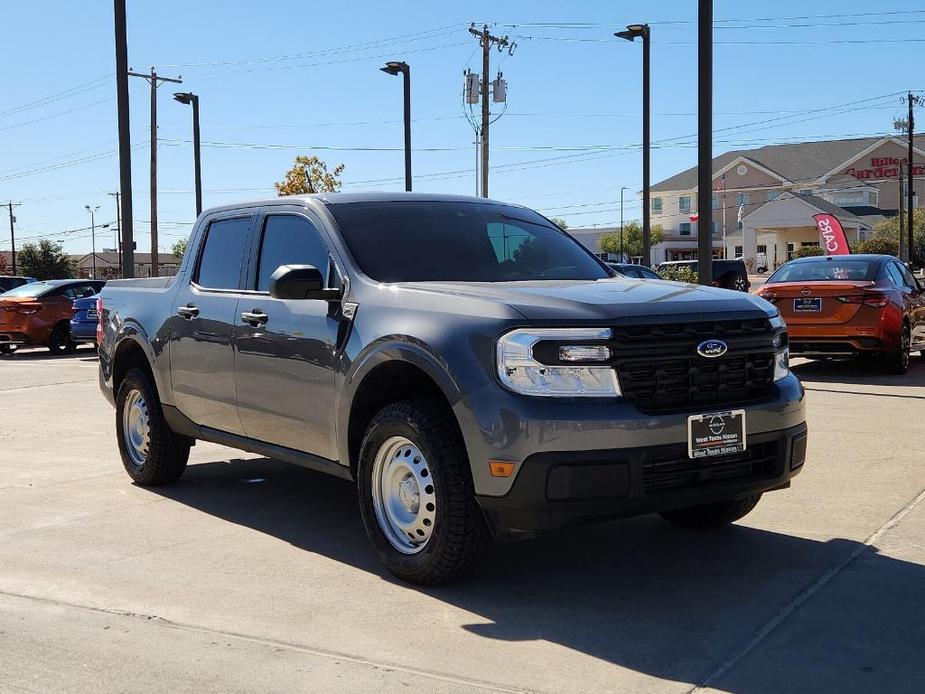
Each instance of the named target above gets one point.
<point>678,274</point>
<point>808,251</point>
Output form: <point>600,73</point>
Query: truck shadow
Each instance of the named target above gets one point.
<point>639,593</point>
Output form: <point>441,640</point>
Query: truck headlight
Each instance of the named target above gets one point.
<point>520,372</point>
<point>777,322</point>
<point>781,364</point>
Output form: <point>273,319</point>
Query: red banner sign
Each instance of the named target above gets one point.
<point>831,235</point>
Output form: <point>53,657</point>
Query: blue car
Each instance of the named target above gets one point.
<point>84,319</point>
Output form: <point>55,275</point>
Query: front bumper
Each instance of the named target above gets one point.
<point>557,489</point>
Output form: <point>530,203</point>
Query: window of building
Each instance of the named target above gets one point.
<point>772,194</point>
<point>715,201</point>
<point>220,265</point>
<point>742,198</point>
<point>804,244</point>
<point>289,240</point>
<point>656,205</point>
<point>762,248</point>
<point>684,228</point>
<point>805,191</point>
<point>738,252</point>
<point>850,197</point>
<point>714,228</point>
<point>684,204</point>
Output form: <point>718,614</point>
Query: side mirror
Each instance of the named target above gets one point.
<point>300,282</point>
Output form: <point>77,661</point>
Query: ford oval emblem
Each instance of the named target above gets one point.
<point>712,348</point>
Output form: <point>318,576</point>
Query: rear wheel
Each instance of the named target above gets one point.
<point>151,452</point>
<point>7,349</point>
<point>897,362</point>
<point>416,495</point>
<point>740,284</point>
<point>714,515</point>
<point>60,341</point>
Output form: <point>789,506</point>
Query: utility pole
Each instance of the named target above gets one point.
<point>92,211</point>
<point>118,231</point>
<point>902,226</point>
<point>155,81</point>
<point>11,205</point>
<point>912,100</point>
<point>705,141</point>
<point>125,140</point>
<point>486,41</point>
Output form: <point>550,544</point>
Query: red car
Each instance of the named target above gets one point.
<point>39,314</point>
<point>850,305</point>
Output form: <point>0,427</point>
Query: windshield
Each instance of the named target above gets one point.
<point>29,290</point>
<point>825,269</point>
<point>424,241</point>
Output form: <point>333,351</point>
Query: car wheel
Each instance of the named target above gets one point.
<point>60,341</point>
<point>416,495</point>
<point>7,349</point>
<point>897,362</point>
<point>714,515</point>
<point>740,284</point>
<point>151,452</point>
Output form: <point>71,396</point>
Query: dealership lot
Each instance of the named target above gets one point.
<point>251,575</point>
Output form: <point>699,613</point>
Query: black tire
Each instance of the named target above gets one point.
<point>460,534</point>
<point>60,341</point>
<point>7,349</point>
<point>897,362</point>
<point>167,453</point>
<point>714,515</point>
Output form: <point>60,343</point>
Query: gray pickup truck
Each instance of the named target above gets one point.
<point>471,367</point>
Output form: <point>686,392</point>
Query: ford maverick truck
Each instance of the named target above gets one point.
<point>475,371</point>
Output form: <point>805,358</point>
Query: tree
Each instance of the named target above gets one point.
<point>559,222</point>
<point>808,251</point>
<point>45,261</point>
<point>889,229</point>
<point>877,244</point>
<point>310,175</point>
<point>179,248</point>
<point>632,240</point>
<point>2,264</point>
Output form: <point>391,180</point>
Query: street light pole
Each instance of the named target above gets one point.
<point>190,98</point>
<point>622,188</point>
<point>92,211</point>
<point>643,31</point>
<point>393,68</point>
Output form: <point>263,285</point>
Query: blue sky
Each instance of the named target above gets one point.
<point>276,81</point>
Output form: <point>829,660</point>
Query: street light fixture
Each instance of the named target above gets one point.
<point>642,31</point>
<point>190,98</point>
<point>92,211</point>
<point>394,67</point>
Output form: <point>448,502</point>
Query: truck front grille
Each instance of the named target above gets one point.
<point>660,371</point>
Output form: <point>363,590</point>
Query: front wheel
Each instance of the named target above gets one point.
<point>151,452</point>
<point>416,495</point>
<point>714,515</point>
<point>60,341</point>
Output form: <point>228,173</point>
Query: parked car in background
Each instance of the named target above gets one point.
<point>84,319</point>
<point>8,282</point>
<point>39,314</point>
<point>633,270</point>
<point>850,305</point>
<point>728,274</point>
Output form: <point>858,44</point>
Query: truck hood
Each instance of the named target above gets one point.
<point>608,299</point>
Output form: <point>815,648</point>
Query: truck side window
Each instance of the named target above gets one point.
<point>220,265</point>
<point>289,240</point>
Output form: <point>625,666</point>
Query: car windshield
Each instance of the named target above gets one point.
<point>825,269</point>
<point>29,290</point>
<point>425,241</point>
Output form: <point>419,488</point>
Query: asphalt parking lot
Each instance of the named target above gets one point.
<point>251,575</point>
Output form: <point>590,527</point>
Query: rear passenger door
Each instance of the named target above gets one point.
<point>286,356</point>
<point>200,331</point>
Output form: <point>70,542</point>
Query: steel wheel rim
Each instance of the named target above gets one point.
<point>404,496</point>
<point>136,428</point>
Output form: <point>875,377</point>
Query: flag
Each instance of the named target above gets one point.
<point>741,214</point>
<point>831,235</point>
<point>694,217</point>
<point>721,184</point>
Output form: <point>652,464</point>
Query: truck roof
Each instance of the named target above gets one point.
<point>369,196</point>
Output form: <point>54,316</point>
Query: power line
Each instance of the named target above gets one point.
<point>78,89</point>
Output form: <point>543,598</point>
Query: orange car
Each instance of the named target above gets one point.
<point>40,314</point>
<point>850,305</point>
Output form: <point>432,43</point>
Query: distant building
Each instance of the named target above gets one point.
<point>107,264</point>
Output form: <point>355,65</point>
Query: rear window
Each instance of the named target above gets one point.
<point>826,269</point>
<point>220,265</point>
<point>30,290</point>
<point>448,241</point>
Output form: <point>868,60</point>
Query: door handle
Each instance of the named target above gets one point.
<point>255,317</point>
<point>189,312</point>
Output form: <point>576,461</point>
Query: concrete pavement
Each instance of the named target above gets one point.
<point>251,575</point>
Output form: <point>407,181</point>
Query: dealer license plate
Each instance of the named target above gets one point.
<point>719,433</point>
<point>807,304</point>
<point>91,313</point>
